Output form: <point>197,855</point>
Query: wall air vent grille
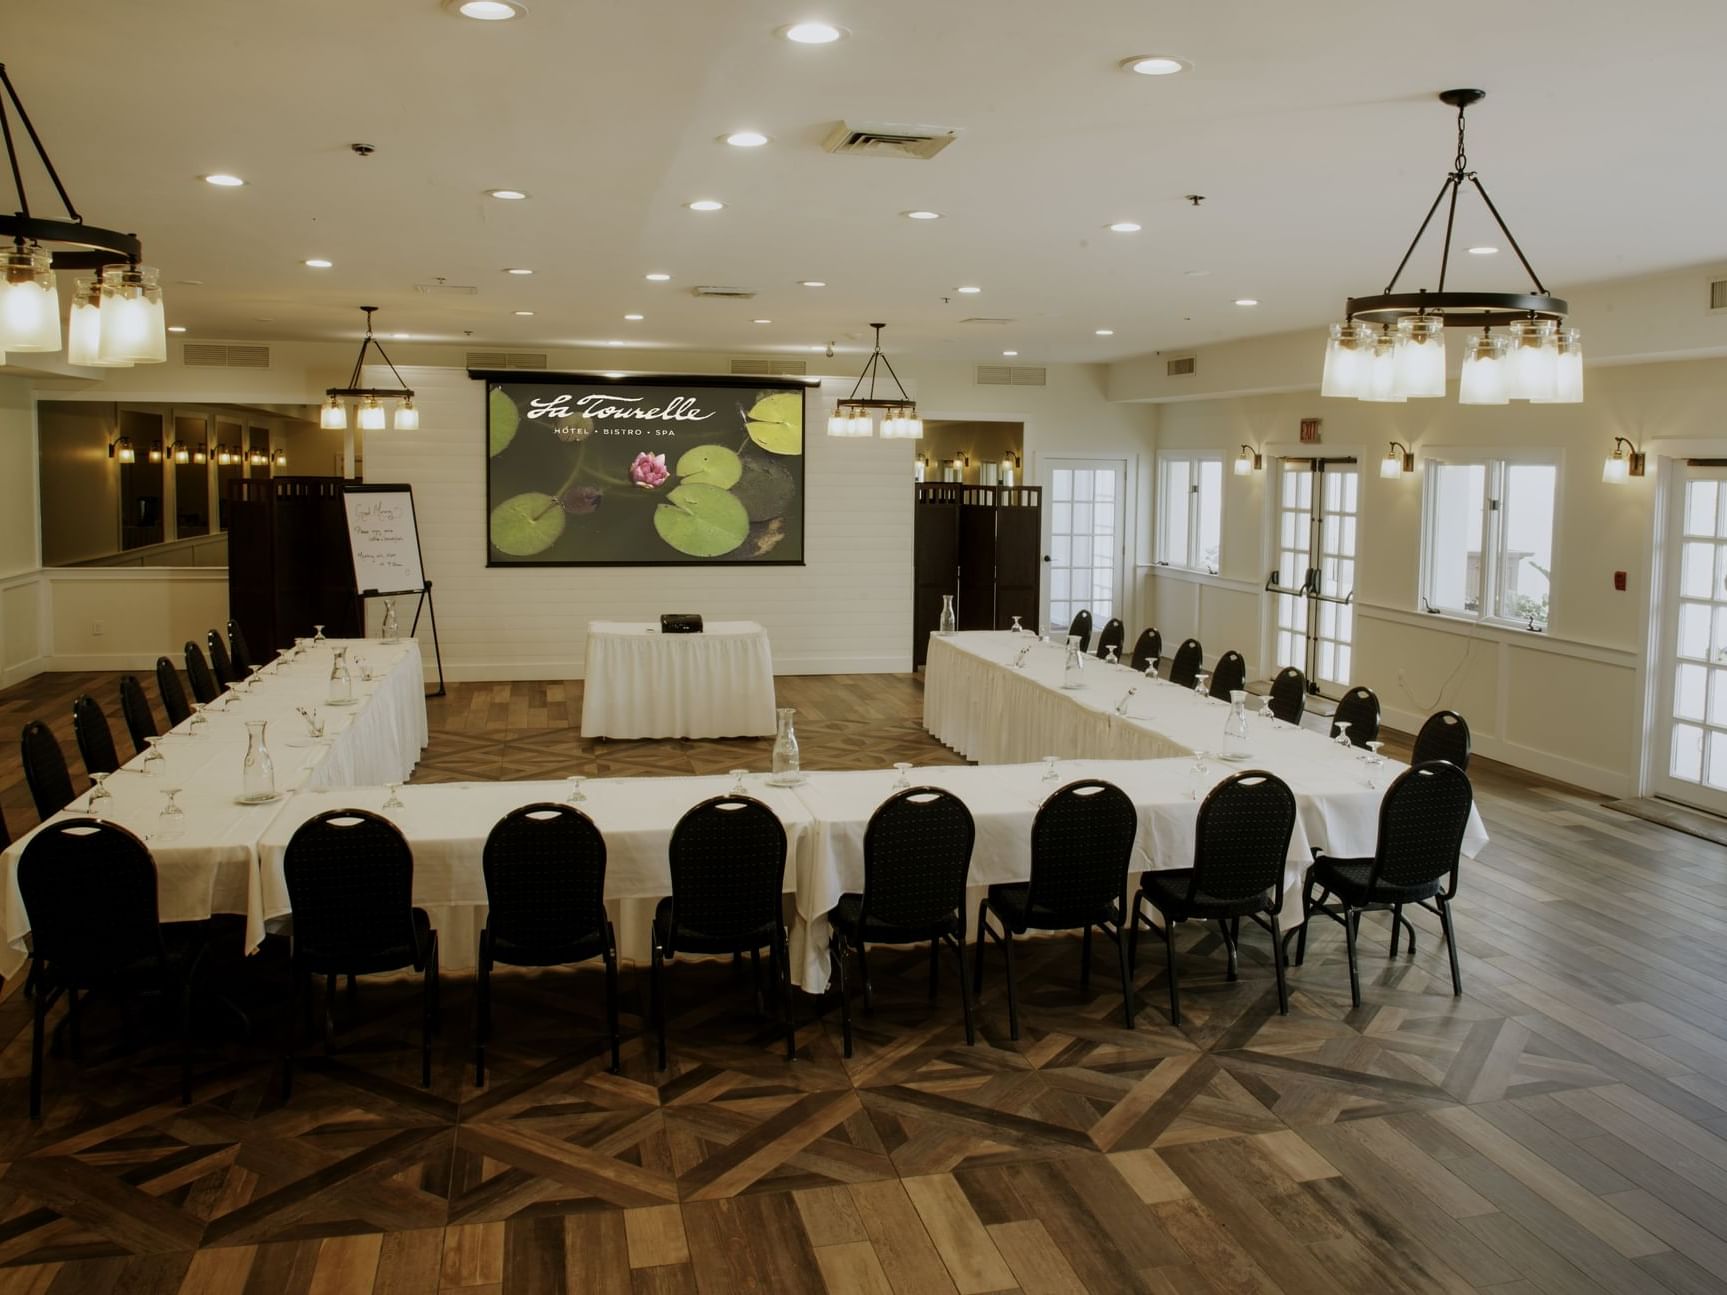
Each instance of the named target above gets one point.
<point>216,355</point>
<point>760,368</point>
<point>1010,375</point>
<point>729,294</point>
<point>506,359</point>
<point>1718,295</point>
<point>1181,366</point>
<point>882,139</point>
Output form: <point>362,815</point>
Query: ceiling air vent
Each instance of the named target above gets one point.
<point>759,368</point>
<point>216,355</point>
<point>1718,295</point>
<point>506,359</point>
<point>1181,366</point>
<point>984,319</point>
<point>734,294</point>
<point>879,139</point>
<point>442,289</point>
<point>1010,375</point>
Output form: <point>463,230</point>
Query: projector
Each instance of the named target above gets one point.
<point>680,623</point>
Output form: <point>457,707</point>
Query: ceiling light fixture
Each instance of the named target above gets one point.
<point>117,316</point>
<point>921,215</point>
<point>1484,251</point>
<point>1404,356</point>
<point>852,417</point>
<point>318,263</point>
<point>334,414</point>
<point>1124,227</point>
<point>524,312</point>
<point>969,290</point>
<point>1247,301</point>
<point>1010,354</point>
<point>761,321</point>
<point>614,342</point>
<point>1155,64</point>
<point>506,195</point>
<point>176,328</point>
<point>224,181</point>
<point>811,283</point>
<point>632,318</point>
<point>656,277</point>
<point>745,139</point>
<point>706,204</point>
<point>487,10</point>
<point>1105,332</point>
<point>516,269</point>
<point>812,33</point>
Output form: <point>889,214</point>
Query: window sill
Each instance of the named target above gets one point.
<point>1486,622</point>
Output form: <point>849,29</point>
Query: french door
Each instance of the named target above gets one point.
<point>1084,510</point>
<point>1690,763</point>
<point>1313,587</point>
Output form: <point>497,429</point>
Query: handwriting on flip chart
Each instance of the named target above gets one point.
<point>385,541</point>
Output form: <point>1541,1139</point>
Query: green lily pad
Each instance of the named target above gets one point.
<point>702,521</point>
<point>711,465</point>
<point>766,488</point>
<point>776,422</point>
<point>527,524</point>
<point>502,418</point>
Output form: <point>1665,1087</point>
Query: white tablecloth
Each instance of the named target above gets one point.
<point>642,683</point>
<point>211,867</point>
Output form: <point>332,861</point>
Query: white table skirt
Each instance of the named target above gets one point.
<point>640,683</point>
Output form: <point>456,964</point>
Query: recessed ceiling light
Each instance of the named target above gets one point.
<point>176,328</point>
<point>921,215</point>
<point>400,337</point>
<point>319,263</point>
<point>487,10</point>
<point>1124,227</point>
<point>811,283</point>
<point>705,204</point>
<point>969,289</point>
<point>812,33</point>
<point>516,269</point>
<point>1484,251</point>
<point>1106,332</point>
<point>1247,301</point>
<point>656,277</point>
<point>508,195</point>
<point>761,321</point>
<point>1155,64</point>
<point>632,317</point>
<point>614,343</point>
<point>222,181</point>
<point>745,139</point>
<point>524,312</point>
<point>1010,354</point>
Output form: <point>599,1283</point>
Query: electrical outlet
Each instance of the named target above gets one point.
<point>98,628</point>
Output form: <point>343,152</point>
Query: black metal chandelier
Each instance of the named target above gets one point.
<point>854,415</point>
<point>370,416</point>
<point>117,318</point>
<point>1391,346</point>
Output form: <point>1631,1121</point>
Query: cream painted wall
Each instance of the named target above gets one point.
<point>21,595</point>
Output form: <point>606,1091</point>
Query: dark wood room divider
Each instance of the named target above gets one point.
<point>984,545</point>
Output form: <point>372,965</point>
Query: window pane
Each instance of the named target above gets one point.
<point>1061,484</point>
<point>1697,571</point>
<point>1694,621</point>
<point>1688,687</point>
<point>1173,546</point>
<point>1526,541</point>
<point>1210,514</point>
<point>1061,519</point>
<point>1057,585</point>
<point>1082,484</point>
<point>1687,761</point>
<point>1716,776</point>
<point>1454,536</point>
<point>1718,697</point>
<point>1105,485</point>
<point>1058,550</point>
<point>1700,507</point>
<point>1082,519</point>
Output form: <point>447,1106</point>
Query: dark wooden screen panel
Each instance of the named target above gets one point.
<point>935,559</point>
<point>1018,555</point>
<point>288,562</point>
<point>977,558</point>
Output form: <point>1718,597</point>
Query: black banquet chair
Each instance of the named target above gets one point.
<point>1360,710</point>
<point>1081,847</point>
<point>1445,736</point>
<point>135,706</point>
<point>1114,635</point>
<point>221,664</point>
<point>90,889</point>
<point>45,770</point>
<point>545,869</point>
<point>1240,852</point>
<point>917,855</point>
<point>1415,861</point>
<point>95,739</point>
<point>1147,650</point>
<point>1081,629</point>
<point>239,654</point>
<point>728,867</point>
<point>1184,669</point>
<point>1289,694</point>
<point>350,877</point>
<point>1229,676</point>
<point>198,674</point>
<point>174,703</point>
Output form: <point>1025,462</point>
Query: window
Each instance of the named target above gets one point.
<point>1190,512</point>
<point>1489,539</point>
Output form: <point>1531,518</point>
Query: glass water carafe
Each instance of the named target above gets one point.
<point>341,679</point>
<point>946,626</point>
<point>1235,726</point>
<point>785,744</point>
<point>258,773</point>
<point>1074,666</point>
<point>391,630</point>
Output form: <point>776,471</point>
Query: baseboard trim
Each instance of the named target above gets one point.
<point>24,670</point>
<point>574,668</point>
<point>1576,773</point>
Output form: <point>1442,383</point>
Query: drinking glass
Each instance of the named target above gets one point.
<point>1200,771</point>
<point>199,720</point>
<point>1265,707</point>
<point>1112,658</point>
<point>1199,682</point>
<point>738,788</point>
<point>395,801</point>
<point>904,768</point>
<point>300,646</point>
<point>98,793</point>
<point>1375,762</point>
<point>154,761</point>
<point>1016,627</point>
<point>575,780</point>
<point>171,822</point>
<point>1050,773</point>
<point>318,634</point>
<point>1151,668</point>
<point>1342,738</point>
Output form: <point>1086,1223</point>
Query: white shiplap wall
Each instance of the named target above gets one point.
<point>847,610</point>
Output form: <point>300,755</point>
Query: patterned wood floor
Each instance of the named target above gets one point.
<point>1560,1128</point>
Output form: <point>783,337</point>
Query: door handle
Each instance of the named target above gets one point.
<point>1046,557</point>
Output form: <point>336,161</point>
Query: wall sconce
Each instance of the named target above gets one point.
<point>279,459</point>
<point>225,457</point>
<point>201,453</point>
<point>259,458</point>
<point>155,451</point>
<point>920,467</point>
<point>1396,463</point>
<point>1621,464</point>
<point>1009,468</point>
<point>122,450</point>
<point>1249,460</point>
<point>182,453</point>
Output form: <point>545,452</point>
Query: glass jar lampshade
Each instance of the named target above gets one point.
<point>133,325</point>
<point>1420,356</point>
<point>371,416</point>
<point>1348,360</point>
<point>407,418</point>
<point>84,327</point>
<point>333,416</point>
<point>1534,360</point>
<point>850,421</point>
<point>1382,375</point>
<point>1484,380</point>
<point>1568,369</point>
<point>29,302</point>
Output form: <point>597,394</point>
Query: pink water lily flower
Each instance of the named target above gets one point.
<point>649,470</point>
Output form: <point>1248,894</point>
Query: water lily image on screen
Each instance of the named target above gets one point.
<point>585,473</point>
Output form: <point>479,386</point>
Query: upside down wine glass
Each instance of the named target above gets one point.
<point>171,822</point>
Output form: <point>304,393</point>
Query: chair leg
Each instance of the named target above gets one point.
<point>612,998</point>
<point>429,1008</point>
<point>1169,958</point>
<point>1351,924</point>
<point>1121,956</point>
<point>1277,961</point>
<point>756,978</point>
<point>482,1008</point>
<point>657,992</point>
<point>977,953</point>
<point>1444,907</point>
<point>964,991</point>
<point>1085,959</point>
<point>935,970</point>
<point>1306,920</point>
<point>1233,972</point>
<point>1012,978</point>
<point>39,1002</point>
<point>868,985</point>
<point>837,951</point>
<point>779,956</point>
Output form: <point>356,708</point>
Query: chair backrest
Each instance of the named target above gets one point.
<point>917,854</point>
<point>45,770</point>
<point>1147,649</point>
<point>198,675</point>
<point>95,741</point>
<point>1360,710</point>
<point>135,706</point>
<point>1081,846</point>
<point>172,694</point>
<point>1114,636</point>
<point>1230,675</point>
<point>1421,824</point>
<point>1184,669</point>
<point>89,887</point>
<point>1445,736</point>
<point>350,877</point>
<point>1241,842</point>
<point>1289,694</point>
<point>1082,627</point>
<point>241,655</point>
<point>5,833</point>
<point>220,664</point>
<point>728,864</point>
<point>545,869</point>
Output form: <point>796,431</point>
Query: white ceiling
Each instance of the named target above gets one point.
<point>1309,126</point>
